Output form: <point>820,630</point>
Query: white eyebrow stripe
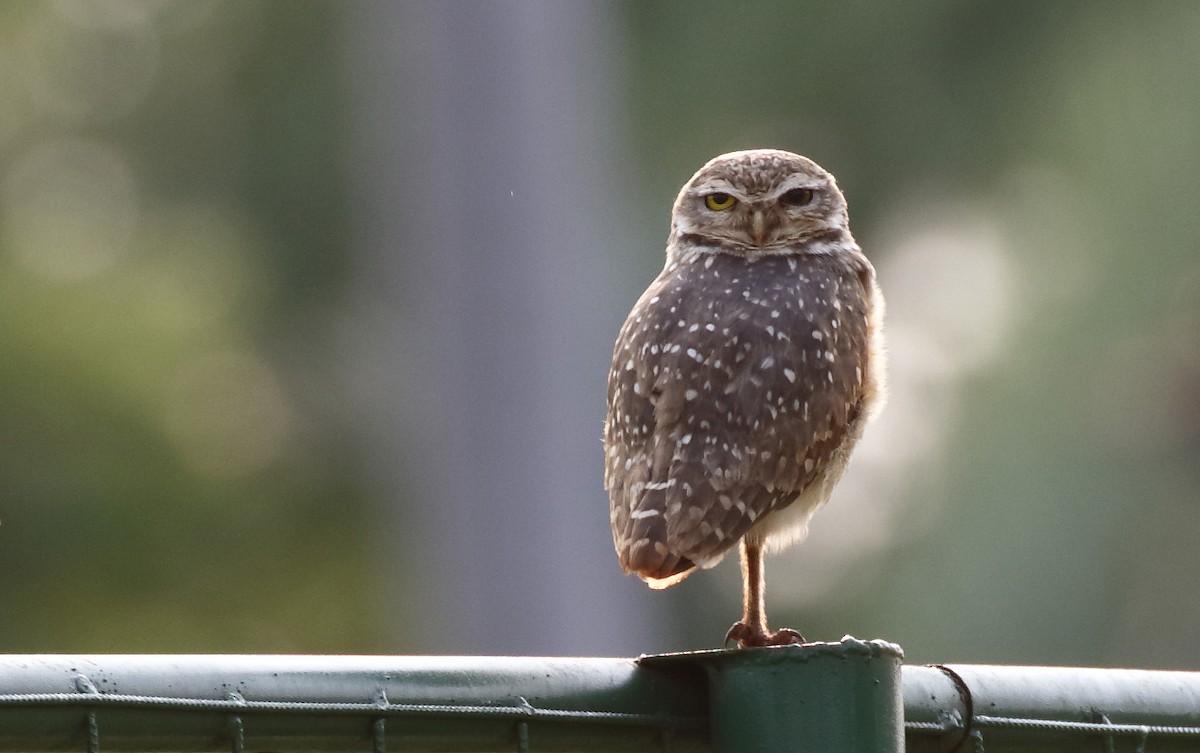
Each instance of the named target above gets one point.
<point>718,185</point>
<point>798,181</point>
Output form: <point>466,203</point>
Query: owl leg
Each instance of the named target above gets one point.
<point>752,629</point>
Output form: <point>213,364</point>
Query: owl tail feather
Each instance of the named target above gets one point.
<point>648,556</point>
<point>659,584</point>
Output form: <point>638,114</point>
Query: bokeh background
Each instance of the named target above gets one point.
<point>306,310</point>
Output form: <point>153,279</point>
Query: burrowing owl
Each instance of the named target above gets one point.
<point>743,377</point>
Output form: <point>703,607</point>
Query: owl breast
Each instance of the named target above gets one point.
<point>737,389</point>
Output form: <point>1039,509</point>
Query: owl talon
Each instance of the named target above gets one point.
<point>786,637</point>
<point>743,636</point>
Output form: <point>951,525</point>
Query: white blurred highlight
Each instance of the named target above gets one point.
<point>70,209</point>
<point>951,290</point>
<point>91,61</point>
<point>226,414</point>
<point>110,14</point>
<point>166,15</point>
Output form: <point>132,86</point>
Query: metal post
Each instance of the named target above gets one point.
<point>822,697</point>
<point>489,288</point>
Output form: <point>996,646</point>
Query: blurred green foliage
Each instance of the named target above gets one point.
<point>170,477</point>
<point>178,469</point>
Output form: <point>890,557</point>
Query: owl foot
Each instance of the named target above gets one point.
<point>743,636</point>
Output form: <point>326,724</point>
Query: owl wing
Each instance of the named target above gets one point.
<point>724,407</point>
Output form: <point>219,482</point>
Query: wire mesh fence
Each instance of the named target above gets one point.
<point>847,696</point>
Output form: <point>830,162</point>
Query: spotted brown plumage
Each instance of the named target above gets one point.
<point>743,376</point>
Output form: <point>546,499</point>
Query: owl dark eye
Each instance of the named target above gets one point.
<point>797,197</point>
<point>719,202</point>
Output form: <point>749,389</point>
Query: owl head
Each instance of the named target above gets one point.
<point>758,202</point>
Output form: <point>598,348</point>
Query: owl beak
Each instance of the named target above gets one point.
<point>758,226</point>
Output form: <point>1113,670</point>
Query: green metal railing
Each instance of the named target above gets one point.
<point>847,696</point>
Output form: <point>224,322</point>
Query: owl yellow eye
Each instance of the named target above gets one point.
<point>719,202</point>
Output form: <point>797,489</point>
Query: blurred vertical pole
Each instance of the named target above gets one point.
<point>485,165</point>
